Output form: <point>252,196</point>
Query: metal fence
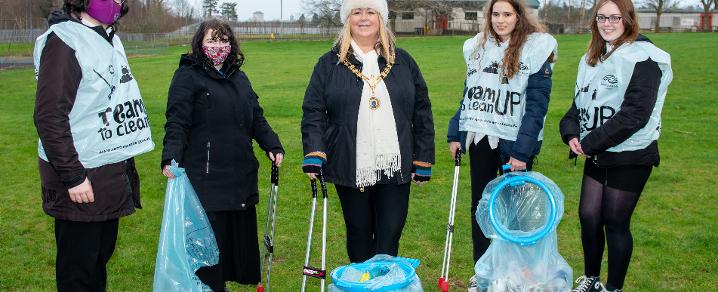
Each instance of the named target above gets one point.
<point>248,30</point>
<point>19,42</point>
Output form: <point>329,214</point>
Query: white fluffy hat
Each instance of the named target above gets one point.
<point>378,5</point>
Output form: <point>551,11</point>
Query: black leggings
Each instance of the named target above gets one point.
<point>485,163</point>
<point>374,219</point>
<point>605,211</point>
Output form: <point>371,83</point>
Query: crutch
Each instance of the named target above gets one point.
<point>269,229</point>
<point>444,278</point>
<point>308,270</point>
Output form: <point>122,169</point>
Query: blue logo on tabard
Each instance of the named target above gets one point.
<point>609,81</point>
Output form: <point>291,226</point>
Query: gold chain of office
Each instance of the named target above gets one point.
<point>373,81</point>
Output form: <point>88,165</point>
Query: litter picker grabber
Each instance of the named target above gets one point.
<point>269,230</point>
<point>308,270</point>
<point>444,278</point>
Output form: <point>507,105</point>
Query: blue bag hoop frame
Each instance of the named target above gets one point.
<point>359,287</point>
<point>529,239</point>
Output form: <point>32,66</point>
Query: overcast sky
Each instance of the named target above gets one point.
<point>245,8</point>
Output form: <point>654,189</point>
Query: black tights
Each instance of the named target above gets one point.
<point>485,163</point>
<point>602,207</point>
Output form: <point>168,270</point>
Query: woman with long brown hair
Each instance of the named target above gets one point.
<point>614,122</point>
<point>367,126</point>
<point>508,83</point>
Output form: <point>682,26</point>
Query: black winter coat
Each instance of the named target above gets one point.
<point>211,121</point>
<point>331,109</point>
<point>636,109</point>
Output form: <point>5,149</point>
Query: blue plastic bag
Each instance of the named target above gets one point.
<point>380,273</point>
<point>187,242</point>
<point>519,212</point>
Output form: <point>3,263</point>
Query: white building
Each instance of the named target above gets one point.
<point>464,16</point>
<point>257,16</point>
<point>676,20</point>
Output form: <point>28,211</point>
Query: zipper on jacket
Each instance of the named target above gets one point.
<point>207,166</point>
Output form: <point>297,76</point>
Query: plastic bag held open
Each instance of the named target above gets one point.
<point>187,242</point>
<point>520,211</point>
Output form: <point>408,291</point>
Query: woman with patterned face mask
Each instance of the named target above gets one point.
<point>506,95</point>
<point>213,114</point>
<point>614,122</point>
<point>368,126</point>
<point>86,163</point>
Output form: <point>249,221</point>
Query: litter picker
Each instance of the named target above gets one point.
<point>444,278</point>
<point>309,270</point>
<point>269,230</point>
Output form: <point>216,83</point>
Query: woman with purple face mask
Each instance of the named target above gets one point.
<point>213,114</point>
<point>86,163</point>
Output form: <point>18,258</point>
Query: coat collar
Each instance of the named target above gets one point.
<point>354,61</point>
<point>189,60</point>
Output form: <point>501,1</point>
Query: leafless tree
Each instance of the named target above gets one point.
<point>144,16</point>
<point>706,13</point>
<point>183,8</point>
<point>327,11</point>
<point>659,6</point>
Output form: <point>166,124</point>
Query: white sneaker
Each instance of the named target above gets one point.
<point>588,284</point>
<point>473,284</point>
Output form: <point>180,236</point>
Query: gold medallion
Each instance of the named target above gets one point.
<point>374,103</point>
<point>372,81</point>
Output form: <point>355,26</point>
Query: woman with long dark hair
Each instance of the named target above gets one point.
<point>614,122</point>
<point>213,114</point>
<point>506,96</point>
<point>86,163</point>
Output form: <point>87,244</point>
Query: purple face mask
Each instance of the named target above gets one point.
<point>105,11</point>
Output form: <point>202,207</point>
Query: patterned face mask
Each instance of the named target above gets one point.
<point>217,54</point>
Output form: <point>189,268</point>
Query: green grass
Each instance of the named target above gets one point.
<point>674,225</point>
<point>16,49</point>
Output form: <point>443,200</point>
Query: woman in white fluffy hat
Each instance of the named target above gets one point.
<point>367,126</point>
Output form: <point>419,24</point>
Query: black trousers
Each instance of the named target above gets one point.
<point>485,164</point>
<point>374,219</point>
<point>83,250</point>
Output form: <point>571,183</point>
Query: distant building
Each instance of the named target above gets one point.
<point>464,16</point>
<point>676,19</point>
<point>258,16</point>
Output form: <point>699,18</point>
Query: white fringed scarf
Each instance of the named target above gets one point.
<point>377,149</point>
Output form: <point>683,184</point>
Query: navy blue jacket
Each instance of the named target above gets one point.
<point>526,144</point>
<point>331,107</point>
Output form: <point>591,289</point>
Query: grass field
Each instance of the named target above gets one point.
<point>674,226</point>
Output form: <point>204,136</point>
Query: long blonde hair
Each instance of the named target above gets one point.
<point>385,46</point>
